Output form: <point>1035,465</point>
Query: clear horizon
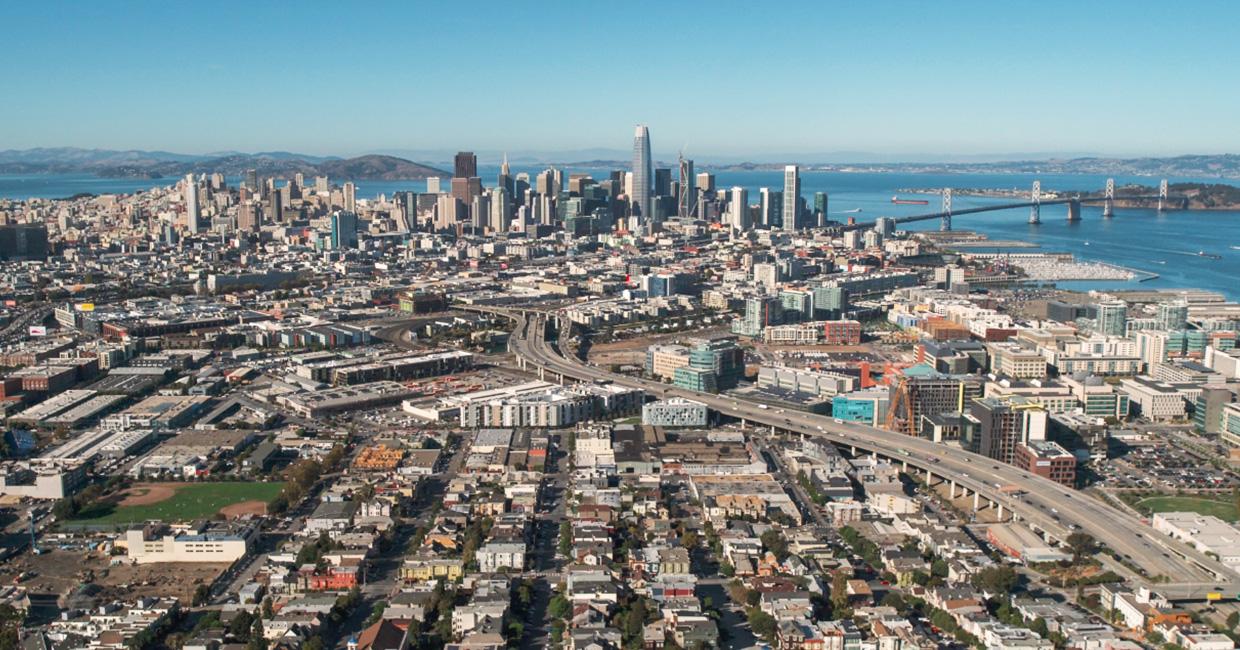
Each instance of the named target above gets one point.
<point>972,79</point>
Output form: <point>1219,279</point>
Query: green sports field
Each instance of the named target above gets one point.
<point>176,501</point>
<point>1225,510</point>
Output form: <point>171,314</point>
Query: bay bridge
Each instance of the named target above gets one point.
<point>1034,204</point>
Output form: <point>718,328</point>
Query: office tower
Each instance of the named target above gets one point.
<point>299,180</point>
<point>191,203</point>
<point>662,181</point>
<point>1112,318</point>
<point>821,201</point>
<point>408,202</point>
<point>1173,315</point>
<point>460,189</point>
<point>446,212</point>
<point>738,210</point>
<point>350,196</point>
<point>640,196</point>
<point>505,179</point>
<point>579,184</point>
<point>247,217</point>
<point>217,181</point>
<point>320,184</point>
<point>344,229</point>
<point>23,241</point>
<point>433,185</point>
<point>501,210</point>
<point>545,183</point>
<point>688,190</point>
<point>771,208</point>
<point>885,225</point>
<point>277,207</point>
<point>874,239</point>
<point>466,165</point>
<point>792,198</point>
<point>479,212</point>
<point>251,179</point>
<point>706,183</point>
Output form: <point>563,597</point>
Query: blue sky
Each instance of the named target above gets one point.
<point>728,78</point>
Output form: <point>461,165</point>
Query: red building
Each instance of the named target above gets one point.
<point>841,332</point>
<point>331,579</point>
<point>1048,460</point>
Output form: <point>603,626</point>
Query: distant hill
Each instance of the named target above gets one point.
<point>159,164</point>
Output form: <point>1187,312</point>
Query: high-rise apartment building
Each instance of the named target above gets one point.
<point>350,196</point>
<point>1173,315</point>
<point>821,206</point>
<point>771,208</point>
<point>1004,425</point>
<point>738,210</point>
<point>1112,318</point>
<point>792,198</point>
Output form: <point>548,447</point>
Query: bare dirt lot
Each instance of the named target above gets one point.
<point>163,580</point>
<point>244,508</point>
<point>144,494</point>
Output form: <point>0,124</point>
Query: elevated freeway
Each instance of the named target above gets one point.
<point>1173,569</point>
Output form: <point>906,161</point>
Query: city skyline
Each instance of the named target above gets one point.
<point>898,80</point>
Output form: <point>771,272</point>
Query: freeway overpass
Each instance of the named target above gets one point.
<point>1174,570</point>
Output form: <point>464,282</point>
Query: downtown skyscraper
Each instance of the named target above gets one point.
<point>686,205</point>
<point>192,209</point>
<point>792,198</point>
<point>642,174</point>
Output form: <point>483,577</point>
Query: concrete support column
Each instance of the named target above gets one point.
<point>542,374</point>
<point>1000,512</point>
<point>976,500</point>
<point>904,467</point>
<point>952,492</point>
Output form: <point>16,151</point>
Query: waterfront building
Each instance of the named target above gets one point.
<point>1112,318</point>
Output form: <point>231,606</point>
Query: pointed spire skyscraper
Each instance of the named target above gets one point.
<point>642,175</point>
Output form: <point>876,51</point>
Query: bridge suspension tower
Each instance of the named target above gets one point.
<point>1162,195</point>
<point>1108,207</point>
<point>1035,212</point>
<point>945,224</point>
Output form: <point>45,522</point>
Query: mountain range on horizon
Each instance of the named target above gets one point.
<point>398,164</point>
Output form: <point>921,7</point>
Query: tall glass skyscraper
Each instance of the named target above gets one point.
<point>688,190</point>
<point>792,198</point>
<point>642,174</point>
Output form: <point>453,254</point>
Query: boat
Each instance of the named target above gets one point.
<point>1235,248</point>
<point>899,201</point>
<point>852,211</point>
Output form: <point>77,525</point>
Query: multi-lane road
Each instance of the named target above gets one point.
<point>1179,571</point>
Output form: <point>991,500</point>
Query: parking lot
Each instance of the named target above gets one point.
<point>1163,466</point>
